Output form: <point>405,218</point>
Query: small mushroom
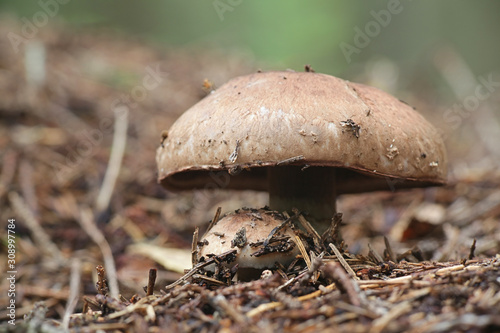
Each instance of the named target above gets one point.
<point>305,140</point>
<point>259,242</point>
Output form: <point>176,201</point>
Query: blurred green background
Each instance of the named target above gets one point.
<point>289,34</point>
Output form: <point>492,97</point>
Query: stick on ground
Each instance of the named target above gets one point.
<point>40,237</point>
<point>86,221</point>
<point>151,281</point>
<point>115,160</point>
<point>74,291</point>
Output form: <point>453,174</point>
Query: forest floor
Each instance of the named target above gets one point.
<point>89,257</point>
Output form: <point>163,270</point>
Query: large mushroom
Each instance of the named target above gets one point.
<point>303,137</point>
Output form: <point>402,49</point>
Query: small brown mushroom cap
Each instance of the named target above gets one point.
<point>227,234</point>
<point>309,119</point>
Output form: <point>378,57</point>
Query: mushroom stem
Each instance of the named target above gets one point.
<point>312,190</point>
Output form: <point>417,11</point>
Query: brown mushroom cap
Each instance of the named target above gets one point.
<point>258,224</point>
<point>257,121</point>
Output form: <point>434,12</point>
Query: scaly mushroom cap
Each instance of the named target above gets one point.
<point>257,224</point>
<point>256,121</point>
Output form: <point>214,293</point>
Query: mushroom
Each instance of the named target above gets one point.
<point>260,237</point>
<point>303,137</point>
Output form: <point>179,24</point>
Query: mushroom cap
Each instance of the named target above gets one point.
<point>256,121</point>
<point>258,224</point>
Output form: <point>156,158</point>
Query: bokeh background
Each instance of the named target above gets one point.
<point>279,35</point>
<point>285,36</point>
<point>65,66</point>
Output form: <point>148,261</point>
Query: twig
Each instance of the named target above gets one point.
<point>308,227</point>
<point>447,270</point>
<point>472,249</point>
<point>355,309</point>
<point>374,254</point>
<point>209,280</point>
<point>343,282</point>
<point>115,160</point>
<point>402,280</point>
<point>89,303</point>
<point>263,308</point>
<point>415,294</point>
<point>86,221</point>
<point>288,300</point>
<point>194,247</point>
<point>343,262</point>
<point>214,220</point>
<point>151,282</point>
<point>381,323</point>
<point>192,271</point>
<point>332,234</point>
<point>450,322</point>
<point>101,284</point>
<point>273,305</point>
<point>141,304</point>
<point>388,248</point>
<point>294,279</point>
<point>303,251</point>
<point>40,237</point>
<point>223,306</point>
<point>74,291</point>
<point>278,228</point>
<point>316,263</point>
